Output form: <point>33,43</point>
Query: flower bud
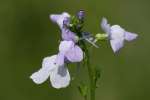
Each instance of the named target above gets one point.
<point>81,14</point>
<point>86,35</point>
<point>101,36</point>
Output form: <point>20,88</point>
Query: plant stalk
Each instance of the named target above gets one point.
<point>90,74</point>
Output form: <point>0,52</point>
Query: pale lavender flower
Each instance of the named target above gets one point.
<point>117,35</point>
<point>55,67</point>
<point>70,51</point>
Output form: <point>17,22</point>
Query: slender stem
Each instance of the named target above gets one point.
<point>85,97</point>
<point>90,74</point>
<point>92,88</point>
<point>84,48</point>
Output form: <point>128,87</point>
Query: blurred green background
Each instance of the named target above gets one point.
<point>27,36</point>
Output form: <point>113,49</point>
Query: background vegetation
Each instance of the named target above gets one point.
<point>27,35</point>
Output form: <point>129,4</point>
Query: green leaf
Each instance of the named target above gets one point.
<point>97,76</point>
<point>83,89</point>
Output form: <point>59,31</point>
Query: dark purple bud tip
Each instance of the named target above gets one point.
<point>81,14</point>
<point>86,34</point>
<point>66,22</point>
<point>79,26</point>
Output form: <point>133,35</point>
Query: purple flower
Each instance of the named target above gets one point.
<point>117,35</point>
<point>70,51</point>
<point>55,67</point>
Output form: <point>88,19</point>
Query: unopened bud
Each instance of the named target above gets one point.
<point>81,15</point>
<point>101,36</point>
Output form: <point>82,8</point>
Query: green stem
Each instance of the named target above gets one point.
<point>85,97</point>
<point>90,74</point>
<point>92,87</point>
<point>90,70</point>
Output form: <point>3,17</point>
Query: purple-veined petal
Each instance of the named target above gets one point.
<point>75,54</point>
<point>130,36</point>
<point>60,77</point>
<point>59,18</point>
<point>105,26</point>
<point>43,74</point>
<point>116,44</point>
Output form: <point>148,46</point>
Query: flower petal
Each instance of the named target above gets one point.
<point>117,32</point>
<point>58,18</point>
<point>65,46</point>
<point>130,36</point>
<point>116,44</point>
<point>75,54</point>
<point>105,26</point>
<point>48,62</point>
<point>55,17</point>
<point>60,77</point>
<point>60,59</point>
<point>43,74</point>
<point>68,35</point>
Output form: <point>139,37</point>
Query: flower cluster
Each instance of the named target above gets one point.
<point>72,47</point>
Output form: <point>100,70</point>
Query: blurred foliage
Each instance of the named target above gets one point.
<point>27,36</point>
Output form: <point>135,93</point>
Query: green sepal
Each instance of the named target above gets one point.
<point>76,25</point>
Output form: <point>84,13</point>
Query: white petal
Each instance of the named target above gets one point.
<point>60,77</point>
<point>54,17</point>
<point>60,59</point>
<point>117,44</point>
<point>48,62</point>
<point>117,32</point>
<point>43,74</point>
<point>105,26</point>
<point>58,18</point>
<point>40,76</point>
<point>65,46</point>
<point>130,36</point>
